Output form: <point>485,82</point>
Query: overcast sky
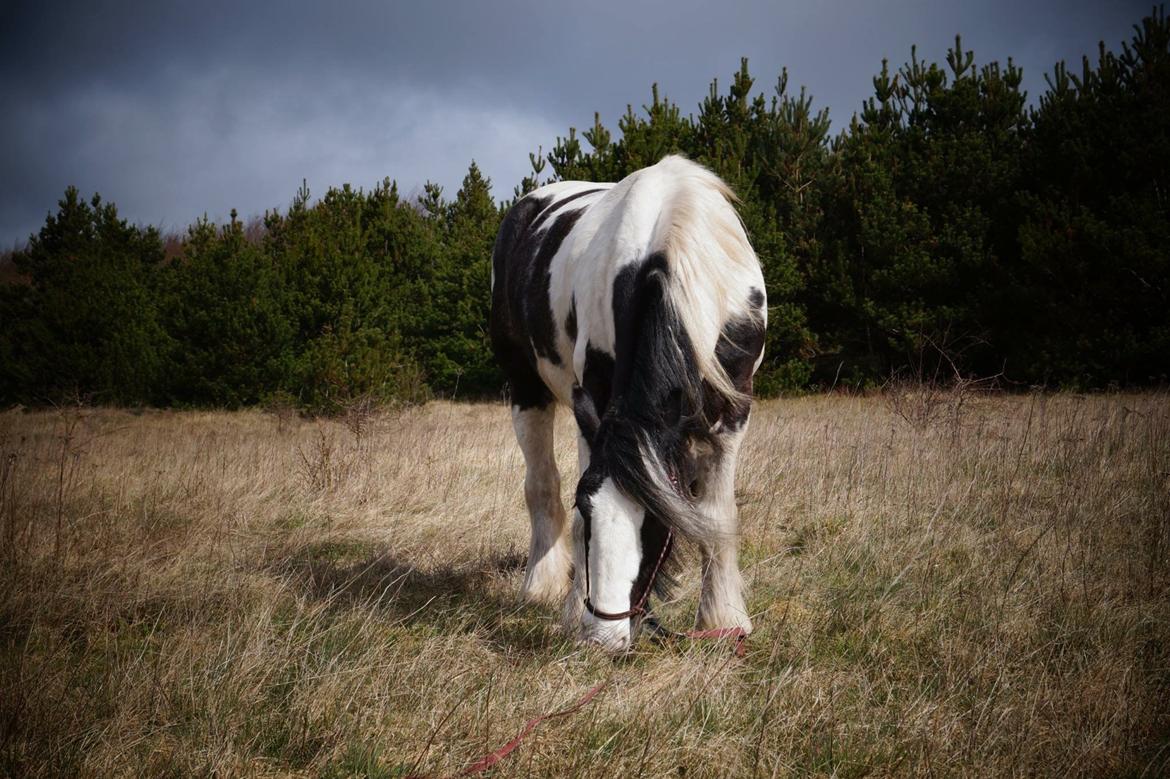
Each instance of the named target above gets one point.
<point>176,109</point>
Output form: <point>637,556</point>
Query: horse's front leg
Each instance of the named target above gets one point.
<point>721,603</point>
<point>546,578</point>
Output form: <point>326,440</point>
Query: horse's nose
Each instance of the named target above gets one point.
<point>610,635</point>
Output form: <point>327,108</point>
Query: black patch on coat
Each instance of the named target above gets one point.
<point>512,267</point>
<point>597,377</point>
<point>739,346</point>
<point>541,329</point>
<point>591,397</point>
<point>522,326</point>
<point>558,204</point>
<point>586,414</point>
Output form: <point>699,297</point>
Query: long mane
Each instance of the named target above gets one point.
<point>666,366</point>
<point>708,251</point>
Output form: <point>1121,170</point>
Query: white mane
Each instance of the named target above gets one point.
<point>681,209</point>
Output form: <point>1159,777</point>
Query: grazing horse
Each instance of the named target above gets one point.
<point>641,306</point>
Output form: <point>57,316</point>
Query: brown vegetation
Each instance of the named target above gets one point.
<point>983,592</point>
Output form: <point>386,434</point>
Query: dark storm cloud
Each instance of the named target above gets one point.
<point>173,110</point>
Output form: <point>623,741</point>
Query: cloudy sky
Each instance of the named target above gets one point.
<point>176,109</point>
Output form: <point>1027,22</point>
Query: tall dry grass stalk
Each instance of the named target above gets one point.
<point>244,593</point>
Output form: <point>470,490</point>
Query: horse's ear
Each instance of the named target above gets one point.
<point>585,412</point>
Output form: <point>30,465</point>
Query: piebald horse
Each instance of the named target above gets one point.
<point>641,306</point>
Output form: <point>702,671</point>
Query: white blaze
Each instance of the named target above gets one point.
<point>615,555</point>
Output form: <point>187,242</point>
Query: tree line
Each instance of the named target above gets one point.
<point>949,226</point>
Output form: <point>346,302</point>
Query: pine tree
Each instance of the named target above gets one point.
<point>455,349</point>
<point>226,311</point>
<point>87,322</point>
<point>1092,291</point>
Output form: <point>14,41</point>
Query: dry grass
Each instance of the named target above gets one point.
<point>247,593</point>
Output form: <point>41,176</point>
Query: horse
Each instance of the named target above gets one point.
<point>641,307</point>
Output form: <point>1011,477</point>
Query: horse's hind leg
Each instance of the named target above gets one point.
<point>721,602</point>
<point>546,578</point>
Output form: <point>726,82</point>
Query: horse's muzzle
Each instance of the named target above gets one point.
<point>610,635</point>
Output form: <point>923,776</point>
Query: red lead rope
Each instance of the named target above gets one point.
<point>490,759</point>
<point>740,636</point>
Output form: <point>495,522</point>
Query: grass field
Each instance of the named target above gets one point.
<point>978,590</point>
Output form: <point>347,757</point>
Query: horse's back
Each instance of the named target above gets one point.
<point>564,249</point>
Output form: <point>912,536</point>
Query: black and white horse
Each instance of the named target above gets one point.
<point>641,306</point>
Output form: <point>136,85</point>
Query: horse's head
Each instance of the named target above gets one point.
<point>641,485</point>
<point>608,528</point>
